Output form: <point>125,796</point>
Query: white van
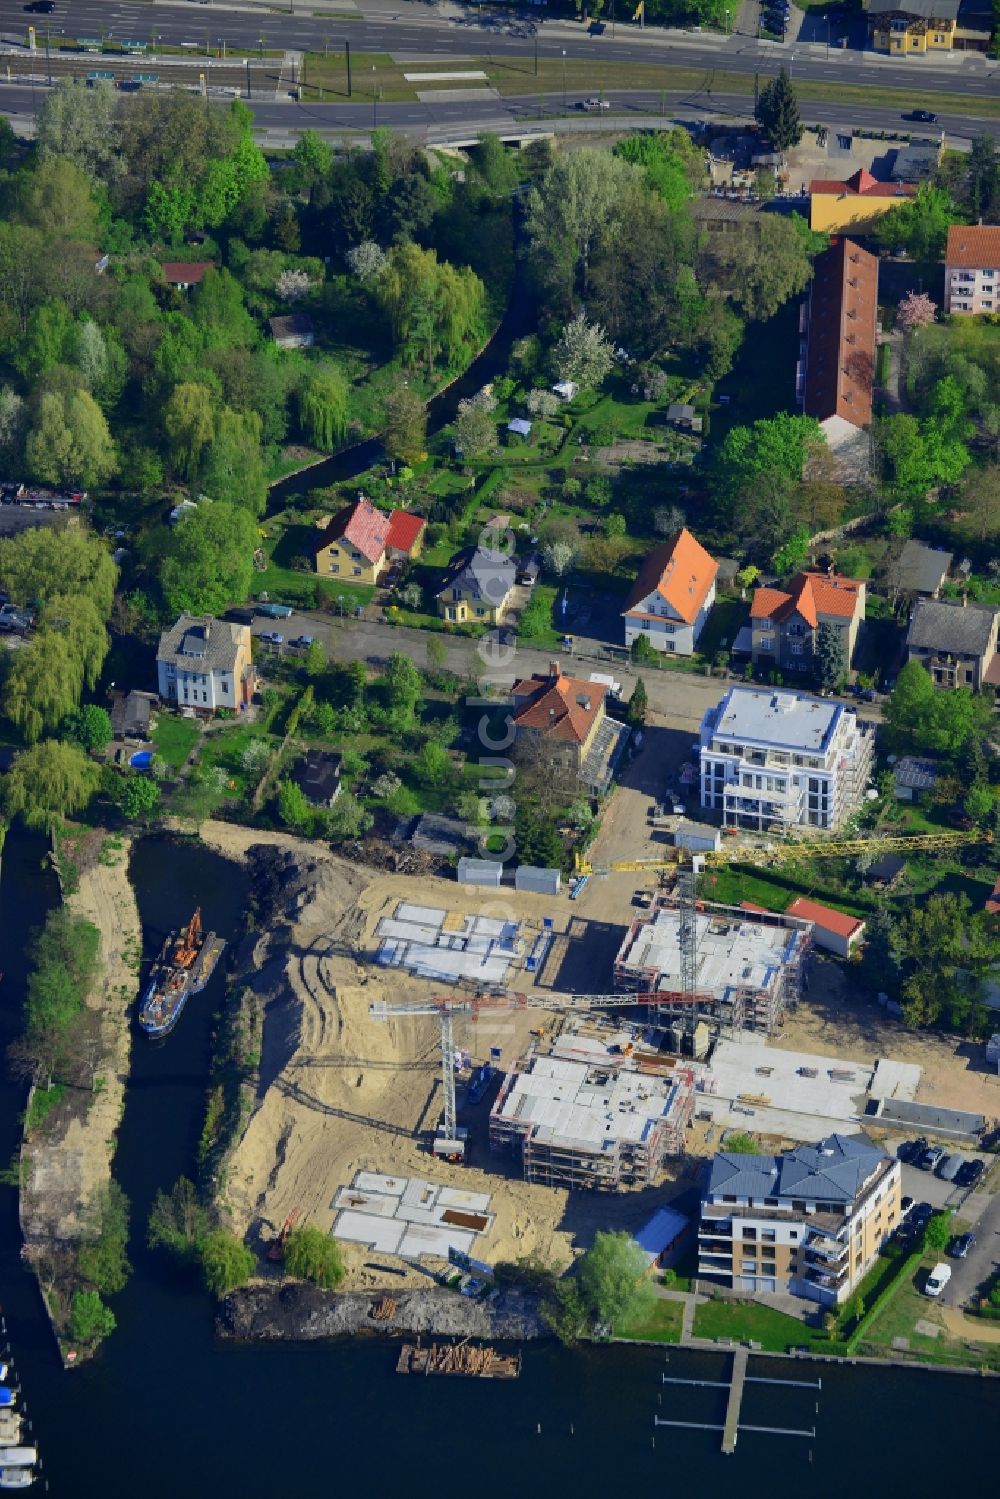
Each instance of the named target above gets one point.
<point>937,1280</point>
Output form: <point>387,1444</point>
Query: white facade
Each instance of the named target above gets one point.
<point>972,291</point>
<point>782,758</point>
<point>188,687</point>
<point>663,627</point>
<point>205,664</point>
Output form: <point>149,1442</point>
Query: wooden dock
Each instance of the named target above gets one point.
<point>732,1427</point>
<point>735,1385</point>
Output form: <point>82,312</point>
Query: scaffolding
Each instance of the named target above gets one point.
<point>741,967</point>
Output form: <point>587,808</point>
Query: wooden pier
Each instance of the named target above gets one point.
<point>738,1379</point>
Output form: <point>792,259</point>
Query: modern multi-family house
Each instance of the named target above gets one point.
<point>809,1222</point>
<point>361,541</point>
<point>205,664</point>
<point>839,329</point>
<point>956,642</point>
<point>972,268</point>
<point>783,759</point>
<point>477,586</point>
<point>912,28</point>
<point>562,719</point>
<point>784,624</point>
<point>672,597</point>
<point>854,204</point>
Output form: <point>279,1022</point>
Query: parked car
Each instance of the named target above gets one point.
<point>271,637</point>
<point>937,1280</point>
<point>969,1173</point>
<point>922,1213</point>
<point>596,28</point>
<point>906,1151</point>
<point>949,1168</point>
<point>959,1248</point>
<point>905,1206</point>
<point>275,611</point>
<point>41,7</point>
<point>302,642</point>
<point>930,1158</point>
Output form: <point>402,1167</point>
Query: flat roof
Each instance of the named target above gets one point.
<point>792,720</point>
<point>733,952</point>
<point>590,1105</point>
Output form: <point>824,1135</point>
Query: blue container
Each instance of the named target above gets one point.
<point>141,760</point>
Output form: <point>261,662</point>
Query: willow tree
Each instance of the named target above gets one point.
<point>434,308</point>
<point>323,408</point>
<point>47,782</point>
<point>43,684</point>
<point>46,563</point>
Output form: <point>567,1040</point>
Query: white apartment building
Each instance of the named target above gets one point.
<point>972,269</point>
<point>781,758</point>
<point>810,1222</point>
<point>205,664</point>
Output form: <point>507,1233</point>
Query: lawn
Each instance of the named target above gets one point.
<point>225,749</point>
<point>722,627</point>
<point>730,886</point>
<point>660,1323</point>
<point>750,1321</point>
<point>175,738</point>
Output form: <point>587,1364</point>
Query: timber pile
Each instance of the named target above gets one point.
<point>458,1358</point>
<point>382,1310</point>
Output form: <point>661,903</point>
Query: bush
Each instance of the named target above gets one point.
<point>89,1319</point>
<point>226,1262</point>
<point>310,1254</point>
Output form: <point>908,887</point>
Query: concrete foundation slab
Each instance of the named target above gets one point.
<point>365,1228</point>
<point>419,1240</point>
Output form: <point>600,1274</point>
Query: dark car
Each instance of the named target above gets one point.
<point>905,1206</point>
<point>969,1173</point>
<point>596,28</point>
<point>925,116</point>
<point>41,7</point>
<point>302,642</point>
<point>479,1083</point>
<point>270,637</point>
<point>959,1248</point>
<point>922,1213</point>
<point>905,1151</point>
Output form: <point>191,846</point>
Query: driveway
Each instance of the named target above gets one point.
<point>984,1258</point>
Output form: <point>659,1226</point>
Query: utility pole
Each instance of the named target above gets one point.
<point>249,94</point>
<point>374,101</point>
<point>536,54</point>
<point>564,79</point>
<point>347,48</point>
<point>48,58</point>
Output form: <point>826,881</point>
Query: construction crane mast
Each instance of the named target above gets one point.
<point>450,1140</point>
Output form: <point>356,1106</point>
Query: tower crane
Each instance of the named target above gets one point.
<point>450,1140</point>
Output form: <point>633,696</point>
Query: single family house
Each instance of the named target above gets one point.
<point>672,596</point>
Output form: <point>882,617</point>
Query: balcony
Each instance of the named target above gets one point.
<point>828,1249</point>
<point>823,1279</point>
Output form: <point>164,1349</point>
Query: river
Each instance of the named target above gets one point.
<point>168,1410</point>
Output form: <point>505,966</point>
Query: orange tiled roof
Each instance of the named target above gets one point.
<point>811,594</point>
<point>680,571</point>
<point>362,526</point>
<point>973,247</point>
<point>825,916</point>
<point>862,185</point>
<point>562,707</point>
<point>993,901</point>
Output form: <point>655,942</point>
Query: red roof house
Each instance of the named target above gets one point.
<point>406,534</point>
<point>672,596</point>
<point>834,930</point>
<point>784,624</point>
<point>185,273</point>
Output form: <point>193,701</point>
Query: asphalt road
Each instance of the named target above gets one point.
<point>983,1259</point>
<point>420,29</point>
<point>680,697</point>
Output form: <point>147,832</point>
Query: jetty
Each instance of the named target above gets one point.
<point>736,1383</point>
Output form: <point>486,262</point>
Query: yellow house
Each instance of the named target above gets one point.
<point>477,586</point>
<point>911,28</point>
<point>361,541</point>
<point>853,206</point>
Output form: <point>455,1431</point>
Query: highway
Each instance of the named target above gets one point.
<point>461,120</point>
<point>421,30</point>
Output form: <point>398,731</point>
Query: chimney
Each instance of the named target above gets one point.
<point>554,670</point>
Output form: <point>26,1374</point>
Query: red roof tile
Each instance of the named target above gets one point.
<point>973,247</point>
<point>681,572</point>
<point>993,901</point>
<point>824,916</point>
<point>862,185</point>
<point>563,707</point>
<point>362,526</point>
<point>810,594</point>
<point>404,530</point>
<point>178,271</point>
<point>840,349</point>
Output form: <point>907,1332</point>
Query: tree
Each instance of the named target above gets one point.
<point>58,202</point>
<point>314,662</point>
<point>564,1313</point>
<point>567,213</point>
<point>583,353</point>
<point>980,805</point>
<point>178,1221</point>
<point>292,285</point>
<point>89,727</point>
<point>90,1320</point>
<point>919,224</point>
<point>917,456</point>
<point>981,500</point>
<point>671,163</point>
<point>48,782</point>
<point>916,310</point>
<point>434,308</point>
<point>433,764</point>
<point>560,555</point>
<point>405,434</point>
<point>226,1262</point>
<point>830,657</point>
<point>612,1279</point>
<point>293,808</point>
<point>367,260</point>
<point>136,795</point>
<point>403,689</point>
<point>313,154</point>
<point>324,409</point>
<point>232,465</point>
<point>310,1254</point>
<point>475,426</point>
<point>207,560</point>
<point>762,266</point>
<point>70,443</point>
<point>793,551</point>
<point>938,1230</point>
<point>41,564</point>
<point>983,168</point>
<point>777,111</point>
<point>80,124</point>
<point>13,425</point>
<point>542,403</point>
<point>776,447</point>
<point>638,705</point>
<point>102,1259</point>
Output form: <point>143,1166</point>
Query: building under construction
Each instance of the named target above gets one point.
<point>594,1113</point>
<point>746,965</point>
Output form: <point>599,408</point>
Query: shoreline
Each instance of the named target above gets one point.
<point>65,1172</point>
